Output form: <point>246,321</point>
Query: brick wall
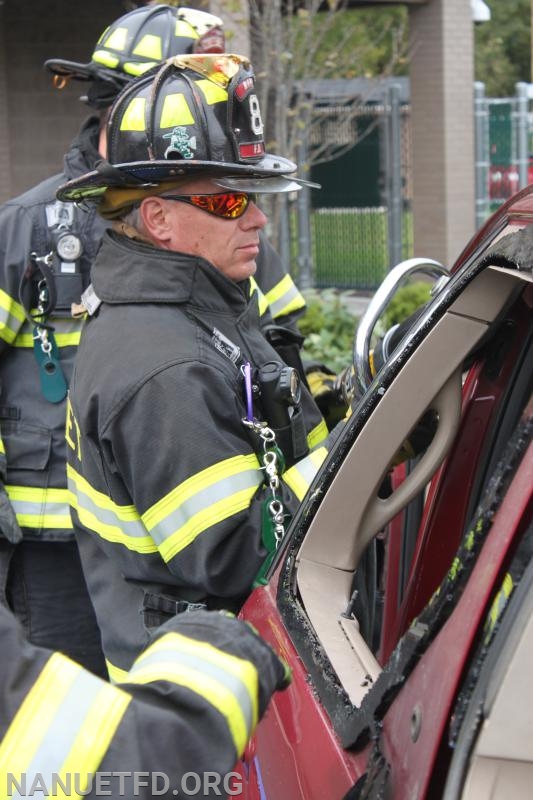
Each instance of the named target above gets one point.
<point>36,121</point>
<point>442,127</point>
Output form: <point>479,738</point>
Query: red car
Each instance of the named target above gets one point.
<point>402,597</point>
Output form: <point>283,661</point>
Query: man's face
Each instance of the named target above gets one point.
<point>231,245</point>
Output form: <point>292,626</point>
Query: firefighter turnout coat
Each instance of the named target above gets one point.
<point>32,427</point>
<point>32,439</point>
<point>166,482</point>
<point>188,705</point>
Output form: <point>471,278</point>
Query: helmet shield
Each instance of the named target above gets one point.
<point>197,114</point>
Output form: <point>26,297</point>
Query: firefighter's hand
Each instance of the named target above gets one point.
<point>237,638</point>
<point>9,526</point>
<point>332,393</point>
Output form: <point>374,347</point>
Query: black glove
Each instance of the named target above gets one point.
<point>9,526</point>
<point>226,632</point>
<point>332,393</point>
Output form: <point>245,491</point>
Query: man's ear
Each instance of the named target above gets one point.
<point>155,218</point>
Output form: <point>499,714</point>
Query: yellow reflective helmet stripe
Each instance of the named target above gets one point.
<point>136,69</point>
<point>226,682</point>
<point>203,500</point>
<point>212,92</point>
<point>150,46</point>
<point>134,115</point>
<point>63,727</point>
<point>284,298</point>
<point>117,39</point>
<point>106,59</point>
<point>40,508</point>
<point>11,317</point>
<point>300,476</point>
<point>261,299</point>
<point>317,435</point>
<point>185,29</point>
<point>114,523</point>
<point>176,111</point>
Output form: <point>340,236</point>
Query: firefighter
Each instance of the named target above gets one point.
<point>188,705</point>
<point>46,248</point>
<point>189,442</point>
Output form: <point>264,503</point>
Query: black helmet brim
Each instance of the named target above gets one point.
<point>92,185</point>
<point>86,72</point>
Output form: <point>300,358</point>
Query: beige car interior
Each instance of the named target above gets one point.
<point>351,513</point>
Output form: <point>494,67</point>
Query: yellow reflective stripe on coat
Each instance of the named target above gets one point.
<point>116,674</point>
<point>317,435</point>
<point>284,298</point>
<point>262,302</point>
<point>98,513</point>
<point>67,333</point>
<point>203,500</point>
<point>11,317</point>
<point>300,476</point>
<point>40,508</point>
<point>226,682</point>
<point>63,727</point>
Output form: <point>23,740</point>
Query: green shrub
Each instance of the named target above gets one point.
<point>328,328</point>
<point>405,302</point>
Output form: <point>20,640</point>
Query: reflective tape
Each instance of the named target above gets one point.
<point>300,476</point>
<point>106,59</point>
<point>11,317</point>
<point>261,299</point>
<point>40,508</point>
<point>212,93</point>
<point>133,119</point>
<point>116,674</point>
<point>63,727</point>
<point>67,333</point>
<point>117,39</point>
<point>114,523</point>
<point>317,435</point>
<point>203,500</point>
<point>176,111</point>
<point>226,682</point>
<point>284,298</point>
<point>150,46</point>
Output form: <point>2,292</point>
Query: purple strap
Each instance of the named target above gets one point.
<point>247,373</point>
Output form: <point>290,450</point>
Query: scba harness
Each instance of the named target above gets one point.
<point>50,285</point>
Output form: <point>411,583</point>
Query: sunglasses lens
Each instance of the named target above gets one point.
<point>230,205</point>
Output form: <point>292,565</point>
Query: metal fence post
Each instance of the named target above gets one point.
<point>522,133</point>
<point>303,206</point>
<point>482,155</point>
<point>393,180</point>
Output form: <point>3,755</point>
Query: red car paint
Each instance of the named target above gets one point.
<point>296,754</point>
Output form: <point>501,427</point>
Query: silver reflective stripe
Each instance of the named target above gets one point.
<point>62,730</point>
<point>132,528</point>
<point>278,306</point>
<point>202,667</point>
<point>215,492</point>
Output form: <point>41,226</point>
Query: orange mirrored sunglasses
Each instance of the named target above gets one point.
<point>227,205</point>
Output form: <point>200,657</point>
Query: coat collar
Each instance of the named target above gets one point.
<point>129,271</point>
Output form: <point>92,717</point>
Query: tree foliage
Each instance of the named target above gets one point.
<point>503,47</point>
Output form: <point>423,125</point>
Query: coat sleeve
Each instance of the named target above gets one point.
<point>188,705</point>
<point>193,473</point>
